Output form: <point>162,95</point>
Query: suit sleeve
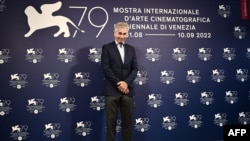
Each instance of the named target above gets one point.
<point>134,68</point>
<point>108,73</point>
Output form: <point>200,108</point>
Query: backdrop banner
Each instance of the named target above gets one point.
<point>194,58</point>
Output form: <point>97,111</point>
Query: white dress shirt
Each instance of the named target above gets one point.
<point>121,50</point>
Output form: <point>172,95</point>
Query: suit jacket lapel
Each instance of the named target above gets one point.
<point>118,53</point>
<point>125,53</point>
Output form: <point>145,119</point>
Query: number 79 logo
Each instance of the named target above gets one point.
<point>45,19</point>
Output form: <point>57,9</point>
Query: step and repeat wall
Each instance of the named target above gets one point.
<point>194,58</point>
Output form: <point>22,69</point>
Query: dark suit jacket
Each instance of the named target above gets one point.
<point>114,70</point>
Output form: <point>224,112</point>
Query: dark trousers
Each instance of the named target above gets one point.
<point>114,104</point>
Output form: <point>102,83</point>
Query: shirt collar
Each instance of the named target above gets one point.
<point>118,43</point>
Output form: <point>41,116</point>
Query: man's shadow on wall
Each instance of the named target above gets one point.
<point>82,94</point>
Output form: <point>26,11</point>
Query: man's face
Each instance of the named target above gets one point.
<point>121,35</point>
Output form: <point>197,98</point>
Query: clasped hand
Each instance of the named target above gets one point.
<point>123,87</point>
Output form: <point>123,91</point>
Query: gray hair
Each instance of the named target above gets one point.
<point>120,25</point>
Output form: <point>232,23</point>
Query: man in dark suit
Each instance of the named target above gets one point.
<point>119,64</point>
